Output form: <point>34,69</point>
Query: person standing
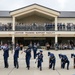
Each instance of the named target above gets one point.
<point>6,55</point>
<point>39,59</point>
<point>34,50</point>
<point>16,56</point>
<point>27,57</point>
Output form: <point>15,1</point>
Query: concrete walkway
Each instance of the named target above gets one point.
<point>33,70</point>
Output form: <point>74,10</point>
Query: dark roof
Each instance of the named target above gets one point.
<point>67,14</point>
<point>4,14</point>
<point>37,5</point>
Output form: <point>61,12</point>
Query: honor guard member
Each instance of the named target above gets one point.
<point>6,55</point>
<point>16,56</point>
<point>34,50</point>
<point>60,56</point>
<point>28,56</point>
<point>52,60</point>
<point>64,60</point>
<point>39,59</point>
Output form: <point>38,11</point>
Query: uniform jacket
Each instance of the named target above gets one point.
<point>28,52</point>
<point>6,52</point>
<point>16,53</point>
<point>40,57</point>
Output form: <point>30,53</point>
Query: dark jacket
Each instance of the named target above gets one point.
<point>6,52</point>
<point>16,53</point>
<point>28,53</point>
<point>40,57</point>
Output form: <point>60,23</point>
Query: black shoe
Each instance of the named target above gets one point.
<point>67,68</point>
<point>28,67</point>
<point>17,67</point>
<point>40,69</point>
<point>50,67</point>
<point>37,66</point>
<point>6,67</point>
<point>53,68</point>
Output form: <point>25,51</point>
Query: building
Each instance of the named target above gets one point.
<point>37,23</point>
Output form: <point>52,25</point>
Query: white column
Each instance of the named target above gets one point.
<point>56,39</point>
<point>55,23</point>
<point>13,41</point>
<point>13,27</point>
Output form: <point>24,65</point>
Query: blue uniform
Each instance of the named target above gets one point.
<point>34,51</point>
<point>16,55</point>
<point>64,60</point>
<point>52,60</point>
<point>40,60</point>
<point>6,55</point>
<point>60,55</point>
<point>28,56</point>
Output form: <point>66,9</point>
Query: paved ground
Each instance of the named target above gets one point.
<point>33,70</point>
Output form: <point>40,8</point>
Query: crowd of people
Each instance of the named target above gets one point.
<point>5,27</point>
<point>62,46</point>
<point>38,27</point>
<point>66,46</point>
<point>27,27</point>
<point>45,27</point>
<point>66,27</point>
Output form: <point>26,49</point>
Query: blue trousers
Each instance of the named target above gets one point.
<point>16,65</point>
<point>39,65</point>
<point>28,62</point>
<point>34,54</point>
<point>6,62</point>
<point>63,65</point>
<point>52,64</point>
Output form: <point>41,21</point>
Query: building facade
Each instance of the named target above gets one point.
<point>37,23</point>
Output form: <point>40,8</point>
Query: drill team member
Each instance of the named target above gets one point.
<point>39,59</point>
<point>28,56</point>
<point>52,60</point>
<point>64,60</point>
<point>6,55</point>
<point>16,56</point>
<point>34,50</point>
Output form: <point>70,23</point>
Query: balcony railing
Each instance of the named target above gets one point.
<point>48,27</point>
<point>35,28</point>
<point>68,27</point>
<point>5,27</point>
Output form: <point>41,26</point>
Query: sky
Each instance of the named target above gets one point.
<point>60,5</point>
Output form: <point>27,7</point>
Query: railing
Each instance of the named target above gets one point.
<point>5,27</point>
<point>49,27</point>
<point>66,28</point>
<point>35,28</point>
<point>45,28</point>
